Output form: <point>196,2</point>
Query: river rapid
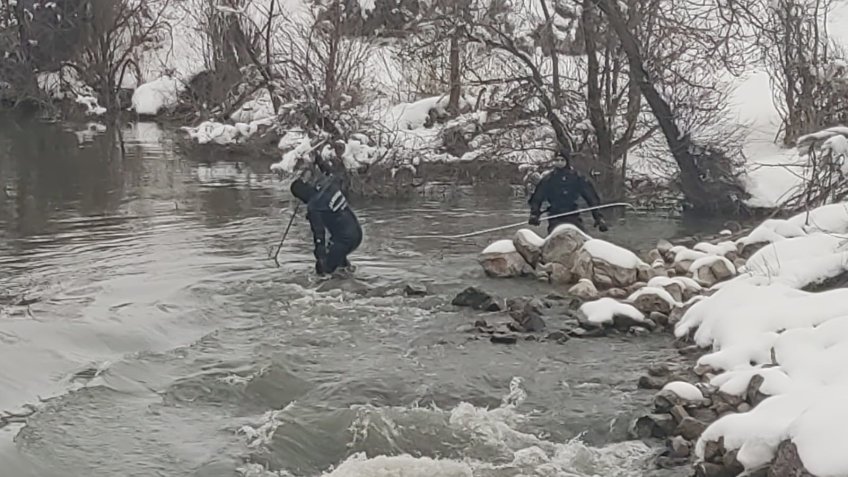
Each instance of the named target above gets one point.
<point>141,315</point>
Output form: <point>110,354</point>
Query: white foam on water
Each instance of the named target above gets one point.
<point>493,444</point>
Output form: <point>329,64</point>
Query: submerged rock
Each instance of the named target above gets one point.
<point>658,426</point>
<point>679,447</point>
<point>690,428</point>
<point>477,299</point>
<point>415,289</point>
<point>504,339</point>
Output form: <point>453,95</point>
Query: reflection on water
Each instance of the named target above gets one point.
<point>135,290</point>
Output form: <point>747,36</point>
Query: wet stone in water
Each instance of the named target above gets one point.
<point>415,289</point>
<point>504,339</point>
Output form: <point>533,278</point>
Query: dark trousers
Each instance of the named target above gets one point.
<point>342,244</point>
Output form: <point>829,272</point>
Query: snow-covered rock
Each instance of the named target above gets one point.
<point>529,245</point>
<point>712,269</point>
<point>562,244</point>
<point>608,265</point>
<point>650,299</point>
<point>152,98</point>
<point>502,260</point>
<point>780,349</point>
<point>607,310</point>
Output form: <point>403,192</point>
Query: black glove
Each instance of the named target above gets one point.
<point>601,225</point>
<point>534,220</point>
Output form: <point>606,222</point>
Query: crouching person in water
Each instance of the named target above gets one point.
<point>561,188</point>
<point>328,211</point>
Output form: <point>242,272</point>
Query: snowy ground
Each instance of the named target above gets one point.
<point>773,171</point>
<point>763,323</point>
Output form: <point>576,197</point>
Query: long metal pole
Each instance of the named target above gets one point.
<point>518,224</point>
<point>286,233</point>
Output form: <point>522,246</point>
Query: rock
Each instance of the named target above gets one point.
<point>731,399</point>
<point>638,331</point>
<point>635,287</point>
<point>533,324</point>
<point>529,246</point>
<point>666,399</point>
<point>593,332</point>
<point>415,289</point>
<point>615,293</point>
<point>624,323</point>
<point>676,315</point>
<point>744,407</point>
<point>477,299</point>
<point>557,336</point>
<point>753,394</point>
<point>664,247</point>
<point>731,463</point>
<point>679,447</point>
<point>659,370</point>
<point>690,428</point>
<point>711,270</point>
<point>654,255</point>
<point>739,262</point>
<point>652,382</point>
<point>660,319</point>
<point>562,244</point>
<point>708,469</point>
<point>592,263</point>
<point>679,413</point>
<point>704,414</point>
<point>658,426</point>
<point>693,350</point>
<point>502,260</point>
<point>788,462</point>
<point>722,408</point>
<point>650,299</point>
<point>668,462</point>
<point>645,272</point>
<point>504,339</point>
<point>585,290</point>
<point>714,450</point>
<point>559,274</point>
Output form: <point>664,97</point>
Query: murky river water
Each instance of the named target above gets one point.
<point>139,304</point>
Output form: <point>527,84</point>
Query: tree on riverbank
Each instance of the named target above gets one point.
<point>620,85</point>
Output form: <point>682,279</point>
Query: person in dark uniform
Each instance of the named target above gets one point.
<point>561,188</point>
<point>328,211</point>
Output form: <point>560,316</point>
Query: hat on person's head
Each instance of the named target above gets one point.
<point>302,190</point>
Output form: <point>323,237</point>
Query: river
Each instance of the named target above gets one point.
<point>142,316</point>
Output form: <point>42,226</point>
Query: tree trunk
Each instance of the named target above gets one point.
<point>702,198</point>
<point>332,56</point>
<point>455,75</point>
<point>594,104</point>
<point>554,55</point>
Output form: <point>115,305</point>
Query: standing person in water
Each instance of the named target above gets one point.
<point>327,210</point>
<point>561,188</point>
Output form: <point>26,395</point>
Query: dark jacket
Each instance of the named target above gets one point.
<point>327,210</point>
<point>562,188</point>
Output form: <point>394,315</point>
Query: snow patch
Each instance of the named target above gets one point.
<point>684,390</point>
<point>612,254</point>
<point>603,310</point>
<point>153,97</point>
<point>501,246</point>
